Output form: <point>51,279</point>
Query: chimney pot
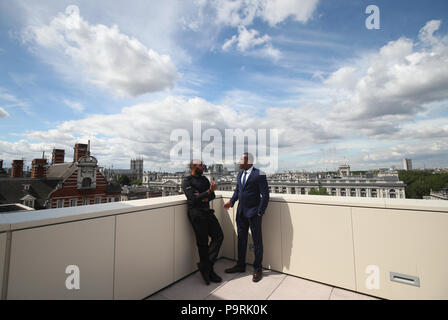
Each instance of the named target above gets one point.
<point>17,169</point>
<point>58,156</point>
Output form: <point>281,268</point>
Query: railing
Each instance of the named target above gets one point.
<point>390,248</point>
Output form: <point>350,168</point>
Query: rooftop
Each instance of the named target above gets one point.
<point>314,247</point>
<point>273,286</point>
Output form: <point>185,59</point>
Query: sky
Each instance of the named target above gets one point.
<point>127,74</point>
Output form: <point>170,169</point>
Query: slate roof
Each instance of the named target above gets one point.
<point>61,170</point>
<point>12,190</point>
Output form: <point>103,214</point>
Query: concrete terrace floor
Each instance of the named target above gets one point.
<point>273,286</point>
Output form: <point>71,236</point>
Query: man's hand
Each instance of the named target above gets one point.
<point>227,205</point>
<point>213,186</point>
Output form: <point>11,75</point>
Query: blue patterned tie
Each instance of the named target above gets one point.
<point>244,178</point>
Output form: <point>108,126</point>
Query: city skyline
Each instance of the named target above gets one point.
<point>125,77</point>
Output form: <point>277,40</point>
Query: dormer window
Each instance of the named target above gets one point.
<point>86,183</point>
<point>26,187</point>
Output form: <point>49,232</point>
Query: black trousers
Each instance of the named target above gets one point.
<point>205,224</point>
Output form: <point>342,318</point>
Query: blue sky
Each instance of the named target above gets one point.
<point>128,74</point>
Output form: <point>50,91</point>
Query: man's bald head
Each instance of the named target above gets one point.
<point>196,167</point>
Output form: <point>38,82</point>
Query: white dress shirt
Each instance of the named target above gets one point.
<point>248,171</point>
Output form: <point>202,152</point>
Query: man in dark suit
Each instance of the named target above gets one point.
<point>251,183</point>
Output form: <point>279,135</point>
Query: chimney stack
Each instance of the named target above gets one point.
<point>80,151</point>
<point>39,168</point>
<point>58,156</point>
<point>17,169</point>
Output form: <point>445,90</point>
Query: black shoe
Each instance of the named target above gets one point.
<point>214,277</point>
<point>235,269</point>
<point>205,273</point>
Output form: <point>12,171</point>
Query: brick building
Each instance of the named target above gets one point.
<point>61,184</point>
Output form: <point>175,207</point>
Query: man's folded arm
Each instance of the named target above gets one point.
<point>189,193</point>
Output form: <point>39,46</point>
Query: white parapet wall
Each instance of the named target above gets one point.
<point>355,243</point>
<point>129,250</point>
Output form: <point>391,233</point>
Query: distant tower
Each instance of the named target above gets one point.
<point>407,164</point>
<point>137,166</point>
<point>344,170</point>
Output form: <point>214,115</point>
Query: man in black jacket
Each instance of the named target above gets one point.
<point>199,193</point>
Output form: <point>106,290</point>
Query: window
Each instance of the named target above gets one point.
<point>86,182</point>
<point>333,191</point>
<point>73,202</point>
<point>363,193</point>
<point>374,193</point>
<point>60,203</point>
<point>29,203</point>
<point>97,200</point>
<point>352,192</point>
<point>293,190</point>
<point>392,193</point>
<point>302,191</point>
<point>85,201</point>
<point>343,192</point>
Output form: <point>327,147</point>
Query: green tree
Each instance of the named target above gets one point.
<point>124,180</point>
<point>419,183</point>
<point>320,192</point>
<point>137,182</point>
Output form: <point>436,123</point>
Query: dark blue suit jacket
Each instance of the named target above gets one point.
<point>250,203</point>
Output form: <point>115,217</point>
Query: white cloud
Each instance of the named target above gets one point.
<point>244,12</point>
<point>75,106</point>
<point>246,39</point>
<point>105,56</point>
<point>316,140</point>
<point>276,11</point>
<point>426,34</point>
<point>393,85</point>
<point>3,113</point>
<point>344,78</point>
<point>251,42</point>
<point>145,129</point>
<point>11,100</point>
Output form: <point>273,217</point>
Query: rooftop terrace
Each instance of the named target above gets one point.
<point>314,247</point>
<point>273,286</point>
